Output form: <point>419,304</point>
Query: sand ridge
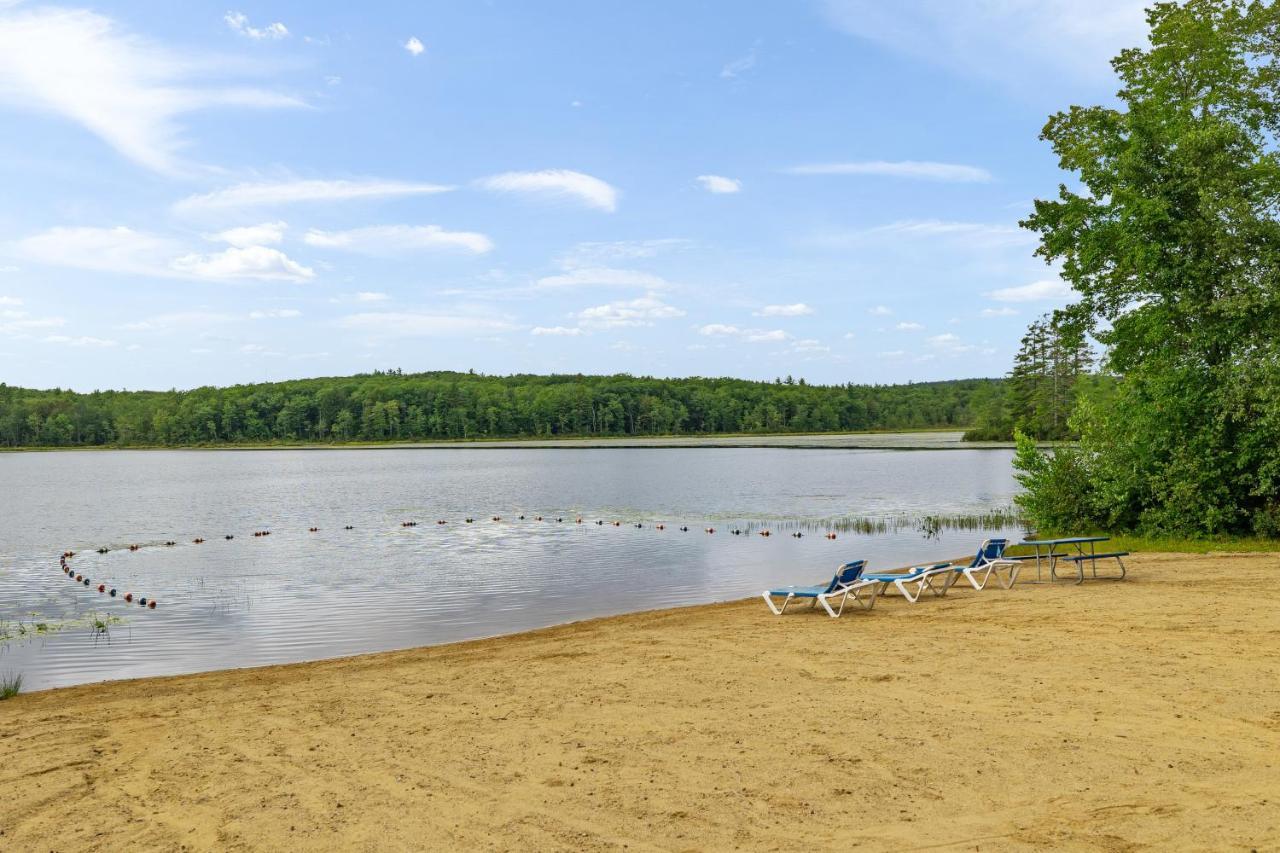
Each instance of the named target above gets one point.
<point>1114,716</point>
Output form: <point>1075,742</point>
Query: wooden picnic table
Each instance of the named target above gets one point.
<point>1063,548</point>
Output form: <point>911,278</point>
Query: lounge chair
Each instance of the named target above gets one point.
<point>935,578</point>
<point>988,562</point>
<point>846,582</point>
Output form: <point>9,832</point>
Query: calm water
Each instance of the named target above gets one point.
<point>297,595</point>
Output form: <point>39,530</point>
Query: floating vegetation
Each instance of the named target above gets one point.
<point>929,526</point>
<point>37,626</point>
<point>10,685</point>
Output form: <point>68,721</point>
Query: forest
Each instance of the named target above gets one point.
<point>398,406</point>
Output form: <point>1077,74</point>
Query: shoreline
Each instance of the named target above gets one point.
<point>1109,714</point>
<point>923,439</point>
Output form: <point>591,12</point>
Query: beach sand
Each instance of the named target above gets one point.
<point>1112,716</point>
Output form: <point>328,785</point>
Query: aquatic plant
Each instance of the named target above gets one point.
<point>10,685</point>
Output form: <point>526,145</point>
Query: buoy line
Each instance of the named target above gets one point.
<point>150,603</point>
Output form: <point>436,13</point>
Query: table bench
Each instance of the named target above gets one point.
<point>1081,559</point>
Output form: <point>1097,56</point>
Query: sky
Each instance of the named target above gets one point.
<point>197,194</point>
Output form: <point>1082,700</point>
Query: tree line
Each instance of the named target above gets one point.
<point>397,406</point>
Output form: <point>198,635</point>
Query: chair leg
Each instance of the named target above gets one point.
<point>776,610</point>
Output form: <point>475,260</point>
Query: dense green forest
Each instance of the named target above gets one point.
<point>389,406</point>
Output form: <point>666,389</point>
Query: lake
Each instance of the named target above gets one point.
<point>297,595</point>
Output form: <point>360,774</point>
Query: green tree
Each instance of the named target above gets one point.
<point>1173,245</point>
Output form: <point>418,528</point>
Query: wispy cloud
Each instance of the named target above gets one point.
<point>1037,291</point>
<point>273,193</point>
<point>738,66</point>
<point>275,314</point>
<point>719,185</point>
<point>238,22</point>
<point>601,277</point>
<point>753,336</point>
<point>880,311</point>
<point>1018,42</point>
<point>124,250</point>
<point>264,234</point>
<point>415,46</point>
<point>981,235</point>
<point>924,170</point>
<point>80,341</point>
<point>909,327</point>
<point>390,239</point>
<point>557,331</point>
<point>127,90</point>
<point>556,183</point>
<point>999,312</point>
<point>798,309</point>
<point>603,253</point>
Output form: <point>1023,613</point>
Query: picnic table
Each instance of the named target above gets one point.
<point>1071,549</point>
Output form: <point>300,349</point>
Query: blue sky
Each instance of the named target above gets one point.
<point>202,194</point>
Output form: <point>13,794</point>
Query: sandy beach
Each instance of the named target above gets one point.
<point>1138,715</point>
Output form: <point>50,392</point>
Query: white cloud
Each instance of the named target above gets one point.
<point>799,309</point>
<point>239,23</point>
<point>126,90</point>
<point>8,269</point>
<point>601,277</point>
<point>633,312</point>
<point>10,300</point>
<point>275,314</point>
<point>559,331</point>
<point>255,262</point>
<point>371,296</point>
<point>1016,41</point>
<point>385,239</point>
<point>589,190</point>
<point>259,349</point>
<point>880,311</point>
<point>395,324</point>
<point>415,46</point>
<point>754,336</point>
<point>737,66</point>
<point>909,327</point>
<point>83,341</point>
<point>267,233</point>
<point>917,169</point>
<point>950,344</point>
<point>1036,291</point>
<point>999,312</point>
<point>808,347</point>
<point>719,330</point>
<point>117,249</point>
<point>272,193</point>
<point>719,184</point>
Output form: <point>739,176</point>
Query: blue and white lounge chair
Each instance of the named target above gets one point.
<point>988,562</point>
<point>914,581</point>
<point>847,582</point>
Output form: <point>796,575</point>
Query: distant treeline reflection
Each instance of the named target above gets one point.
<point>389,406</point>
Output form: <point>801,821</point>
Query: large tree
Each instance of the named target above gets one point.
<point>1172,241</point>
